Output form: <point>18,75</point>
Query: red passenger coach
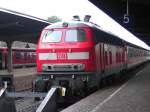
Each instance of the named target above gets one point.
<point>21,57</point>
<point>24,57</point>
<point>79,54</point>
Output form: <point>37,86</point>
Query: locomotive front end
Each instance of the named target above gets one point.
<point>65,53</point>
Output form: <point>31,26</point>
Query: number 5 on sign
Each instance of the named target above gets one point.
<point>126,18</point>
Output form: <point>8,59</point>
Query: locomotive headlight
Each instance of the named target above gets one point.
<point>81,67</point>
<point>44,67</point>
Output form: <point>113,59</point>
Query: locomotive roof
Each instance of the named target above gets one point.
<point>78,24</point>
<point>70,24</point>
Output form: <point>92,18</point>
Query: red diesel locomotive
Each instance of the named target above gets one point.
<point>76,54</point>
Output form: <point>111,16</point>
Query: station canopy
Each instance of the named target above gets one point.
<point>16,26</point>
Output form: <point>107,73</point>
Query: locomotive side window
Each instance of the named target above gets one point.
<point>78,35</point>
<point>52,36</point>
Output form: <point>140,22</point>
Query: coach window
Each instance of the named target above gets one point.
<point>18,55</point>
<point>52,36</point>
<point>110,57</point>
<point>76,35</point>
<point>118,57</point>
<point>22,55</point>
<point>130,53</point>
<point>123,56</point>
<point>29,56</point>
<point>106,58</point>
<point>25,56</point>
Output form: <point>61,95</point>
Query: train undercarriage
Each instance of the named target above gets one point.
<point>74,84</point>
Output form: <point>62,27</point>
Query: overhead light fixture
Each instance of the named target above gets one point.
<point>76,18</point>
<point>87,18</point>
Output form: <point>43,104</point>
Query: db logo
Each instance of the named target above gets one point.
<point>61,56</point>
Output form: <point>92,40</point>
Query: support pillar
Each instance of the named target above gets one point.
<point>9,56</point>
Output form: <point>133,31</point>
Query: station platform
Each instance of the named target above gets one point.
<point>21,78</point>
<point>133,96</point>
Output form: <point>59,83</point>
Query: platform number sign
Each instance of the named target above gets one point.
<point>126,18</point>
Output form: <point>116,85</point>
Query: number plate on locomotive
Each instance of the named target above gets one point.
<point>61,56</point>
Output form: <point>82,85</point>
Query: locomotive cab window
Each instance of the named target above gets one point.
<point>52,36</point>
<point>75,35</point>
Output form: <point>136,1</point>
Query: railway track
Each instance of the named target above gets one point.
<point>27,105</point>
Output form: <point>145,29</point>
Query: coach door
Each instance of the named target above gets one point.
<point>102,57</point>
